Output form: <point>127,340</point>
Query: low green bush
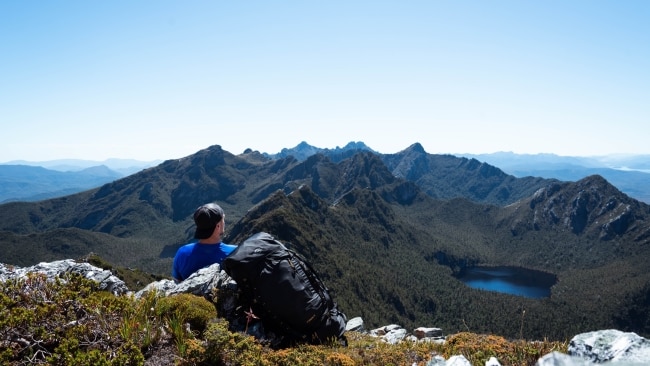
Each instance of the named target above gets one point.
<point>195,310</point>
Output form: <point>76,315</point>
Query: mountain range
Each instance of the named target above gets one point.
<point>121,166</point>
<point>388,232</point>
<point>34,181</point>
<point>629,173</point>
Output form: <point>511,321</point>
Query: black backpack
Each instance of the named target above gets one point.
<point>284,292</point>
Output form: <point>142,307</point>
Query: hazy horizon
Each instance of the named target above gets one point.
<point>496,153</point>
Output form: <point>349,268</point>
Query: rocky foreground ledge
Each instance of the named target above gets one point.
<point>606,347</point>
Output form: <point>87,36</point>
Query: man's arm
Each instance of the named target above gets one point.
<point>176,276</point>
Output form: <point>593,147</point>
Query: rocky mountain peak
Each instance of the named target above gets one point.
<point>416,148</point>
<point>591,206</point>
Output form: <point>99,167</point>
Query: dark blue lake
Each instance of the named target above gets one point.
<point>510,280</point>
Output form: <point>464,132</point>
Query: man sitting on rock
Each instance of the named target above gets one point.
<point>209,249</point>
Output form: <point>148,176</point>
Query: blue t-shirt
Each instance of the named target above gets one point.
<point>194,256</point>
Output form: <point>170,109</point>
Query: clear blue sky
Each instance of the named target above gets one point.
<point>163,79</point>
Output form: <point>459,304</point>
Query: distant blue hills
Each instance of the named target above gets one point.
<point>35,181</point>
<point>122,166</point>
<point>32,181</point>
<point>629,173</point>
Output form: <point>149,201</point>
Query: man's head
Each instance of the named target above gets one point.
<point>206,218</point>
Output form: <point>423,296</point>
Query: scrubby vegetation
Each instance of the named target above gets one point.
<point>69,321</point>
<point>386,234</point>
<point>388,265</point>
